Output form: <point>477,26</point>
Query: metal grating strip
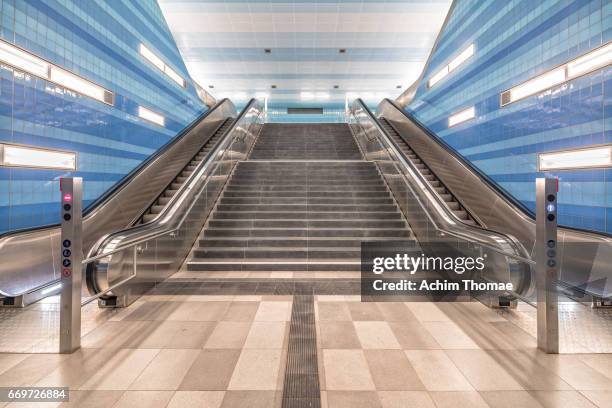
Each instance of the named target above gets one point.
<point>301,388</point>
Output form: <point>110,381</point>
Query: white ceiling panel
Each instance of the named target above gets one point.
<point>387,44</point>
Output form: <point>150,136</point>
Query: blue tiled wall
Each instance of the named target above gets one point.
<point>516,40</point>
<point>99,40</point>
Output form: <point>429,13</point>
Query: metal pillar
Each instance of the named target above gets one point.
<point>71,257</point>
<point>547,264</point>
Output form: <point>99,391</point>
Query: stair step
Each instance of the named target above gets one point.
<point>274,265</point>
<point>305,194</point>
<point>307,232</point>
<point>294,253</point>
<point>310,242</point>
<point>308,207</point>
<point>276,223</point>
<point>259,215</point>
<point>310,200</point>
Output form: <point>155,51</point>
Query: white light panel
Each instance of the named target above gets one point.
<point>161,65</point>
<point>76,83</point>
<point>462,116</point>
<point>23,60</point>
<point>461,58</point>
<point>538,84</point>
<point>174,76</point>
<point>590,62</point>
<point>451,66</point>
<point>151,57</point>
<point>151,116</point>
<point>584,158</point>
<point>34,65</point>
<point>36,157</point>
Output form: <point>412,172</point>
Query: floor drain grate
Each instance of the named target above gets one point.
<point>301,388</point>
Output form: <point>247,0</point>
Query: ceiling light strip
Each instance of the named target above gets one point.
<point>161,65</point>
<point>585,64</point>
<point>462,57</point>
<point>32,64</point>
<point>36,157</point>
<point>576,159</point>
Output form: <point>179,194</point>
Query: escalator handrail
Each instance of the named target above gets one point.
<point>125,180</point>
<point>406,163</point>
<point>154,228</point>
<point>481,175</point>
<point>154,200</point>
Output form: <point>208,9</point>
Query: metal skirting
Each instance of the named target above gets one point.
<point>301,388</point>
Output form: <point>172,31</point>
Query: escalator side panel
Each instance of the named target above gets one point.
<point>155,250</point>
<point>29,258</point>
<point>485,203</point>
<point>585,257</point>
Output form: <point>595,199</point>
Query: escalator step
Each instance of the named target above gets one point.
<point>156,209</point>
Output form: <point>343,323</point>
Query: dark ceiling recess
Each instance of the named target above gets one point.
<point>398,87</point>
<point>305,111</point>
<point>267,50</point>
<point>211,86</point>
<point>273,86</point>
<point>342,50</point>
<point>336,86</point>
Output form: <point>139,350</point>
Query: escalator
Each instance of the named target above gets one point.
<point>175,185</point>
<point>584,256</point>
<point>450,200</point>
<point>29,270</point>
<point>293,199</point>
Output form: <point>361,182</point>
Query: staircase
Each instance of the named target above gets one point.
<point>450,200</point>
<point>286,209</point>
<point>176,184</point>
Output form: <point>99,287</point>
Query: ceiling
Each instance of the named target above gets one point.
<point>386,44</point>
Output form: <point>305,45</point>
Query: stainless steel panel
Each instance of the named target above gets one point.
<point>584,257</point>
<point>155,250</point>
<point>29,259</point>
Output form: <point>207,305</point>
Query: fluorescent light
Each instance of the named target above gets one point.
<point>51,289</point>
<point>451,66</point>
<point>159,63</point>
<point>262,95</point>
<point>438,76</point>
<point>584,64</point>
<point>34,65</point>
<point>461,58</point>
<point>538,84</point>
<point>174,76</point>
<point>76,83</point>
<point>151,116</point>
<point>590,62</point>
<point>306,95</point>
<point>36,157</point>
<point>239,95</point>
<point>584,158</point>
<point>462,116</point>
<point>322,95</point>
<point>151,57</point>
<point>23,60</point>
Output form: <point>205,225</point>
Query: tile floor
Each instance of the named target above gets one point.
<point>445,355</point>
<point>190,350</point>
